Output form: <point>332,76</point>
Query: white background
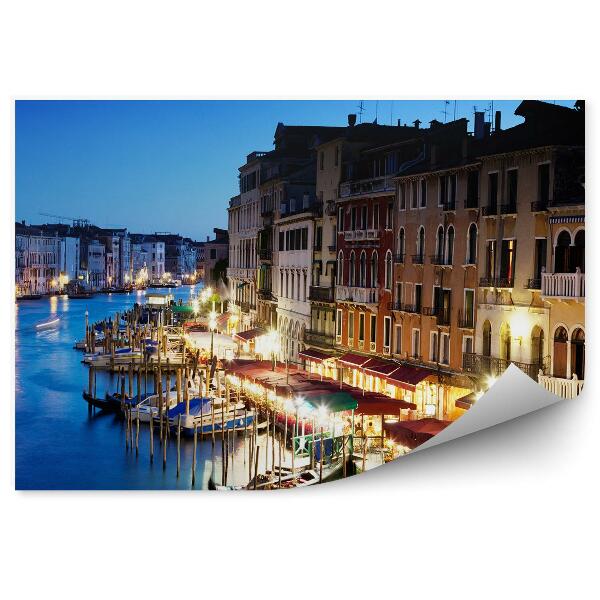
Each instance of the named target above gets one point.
<point>507,513</point>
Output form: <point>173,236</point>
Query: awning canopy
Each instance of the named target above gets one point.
<point>183,309</point>
<point>314,355</point>
<point>466,401</point>
<point>407,377</point>
<point>246,336</point>
<point>414,433</point>
<point>378,404</point>
<point>381,368</point>
<point>352,359</point>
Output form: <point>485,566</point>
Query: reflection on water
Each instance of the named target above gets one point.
<point>58,446</point>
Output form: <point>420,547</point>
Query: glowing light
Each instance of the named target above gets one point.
<point>490,381</point>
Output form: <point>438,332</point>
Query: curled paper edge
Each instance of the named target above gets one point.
<point>514,394</point>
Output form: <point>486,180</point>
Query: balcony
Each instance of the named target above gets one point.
<point>321,294</point>
<point>319,339</point>
<point>497,282</point>
<point>399,259</point>
<point>245,307</point>
<point>449,206</point>
<point>563,388</point>
<point>407,308</point>
<point>441,314</point>
<point>361,235</point>
<point>332,248</point>
<point>367,186</point>
<point>440,260</point>
<point>489,211</point>
<point>360,295</point>
<point>510,208</point>
<point>539,206</point>
<point>479,364</point>
<point>564,285</point>
<point>471,203</point>
<point>265,294</point>
<point>417,259</point>
<point>265,254</point>
<point>534,284</point>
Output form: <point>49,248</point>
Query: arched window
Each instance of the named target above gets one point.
<point>340,268</point>
<point>578,353</point>
<point>487,339</point>
<point>505,341</point>
<point>363,269</point>
<point>401,244</point>
<point>578,253</point>
<point>352,274</point>
<point>472,244</point>
<point>561,252</point>
<point>388,270</point>
<point>450,246</point>
<point>537,346</point>
<point>561,337</point>
<point>374,267</point>
<point>439,243</point>
<point>421,243</point>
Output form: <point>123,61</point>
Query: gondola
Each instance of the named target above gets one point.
<point>101,403</point>
<point>29,297</point>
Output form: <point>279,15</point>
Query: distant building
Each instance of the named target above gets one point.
<point>215,253</point>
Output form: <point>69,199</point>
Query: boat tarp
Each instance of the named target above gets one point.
<point>331,401</point>
<point>196,405</point>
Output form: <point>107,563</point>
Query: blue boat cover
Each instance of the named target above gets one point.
<point>197,405</point>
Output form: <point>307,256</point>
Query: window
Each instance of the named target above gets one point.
<point>304,231</point>
<point>472,244</point>
<point>414,199</point>
<point>493,192</point>
<point>443,190</point>
<point>421,243</point>
<point>398,346</point>
<point>352,268</point>
<point>544,184</point>
<point>511,185</point>
<point>213,253</point>
<point>350,326</point>
<point>433,347</point>
<point>318,238</point>
<point>363,217</point>
<point>398,292</point>
<point>423,193</point>
<point>387,333</point>
<point>340,223</point>
<point>416,343</point>
<point>353,219</point>
<point>540,257</point>
<point>418,296</point>
<point>401,244</point>
<point>402,196</point>
<point>490,259</point>
<point>469,309</point>
<point>374,266</point>
<point>338,322</point>
<point>507,260</point>
<point>467,344</point>
<point>363,270</point>
<point>439,244</point>
<point>389,216</point>
<point>361,327</point>
<point>445,349</point>
<point>340,269</point>
<point>376,217</point>
<point>472,189</point>
<point>450,246</point>
<point>373,328</point>
<point>388,270</point>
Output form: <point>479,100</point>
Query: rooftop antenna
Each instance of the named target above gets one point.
<point>392,112</point>
<point>361,110</point>
<point>454,117</point>
<point>376,109</point>
<point>445,111</point>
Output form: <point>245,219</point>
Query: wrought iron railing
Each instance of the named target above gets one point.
<point>479,364</point>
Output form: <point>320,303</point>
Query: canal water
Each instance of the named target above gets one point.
<point>57,444</point>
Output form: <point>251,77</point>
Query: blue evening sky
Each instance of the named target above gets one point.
<point>171,165</point>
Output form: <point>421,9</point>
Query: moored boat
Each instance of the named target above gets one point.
<point>48,323</point>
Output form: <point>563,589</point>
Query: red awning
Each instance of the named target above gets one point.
<point>378,404</point>
<point>246,336</point>
<point>222,319</point>
<point>353,360</point>
<point>415,433</point>
<point>314,355</point>
<point>408,377</point>
<point>466,401</point>
<point>381,368</point>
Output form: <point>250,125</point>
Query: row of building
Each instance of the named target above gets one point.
<point>449,253</point>
<point>51,257</point>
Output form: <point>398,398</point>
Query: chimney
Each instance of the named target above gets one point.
<point>479,121</point>
<point>498,121</point>
<point>399,122</point>
<point>351,120</point>
<point>417,123</point>
<point>207,238</point>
